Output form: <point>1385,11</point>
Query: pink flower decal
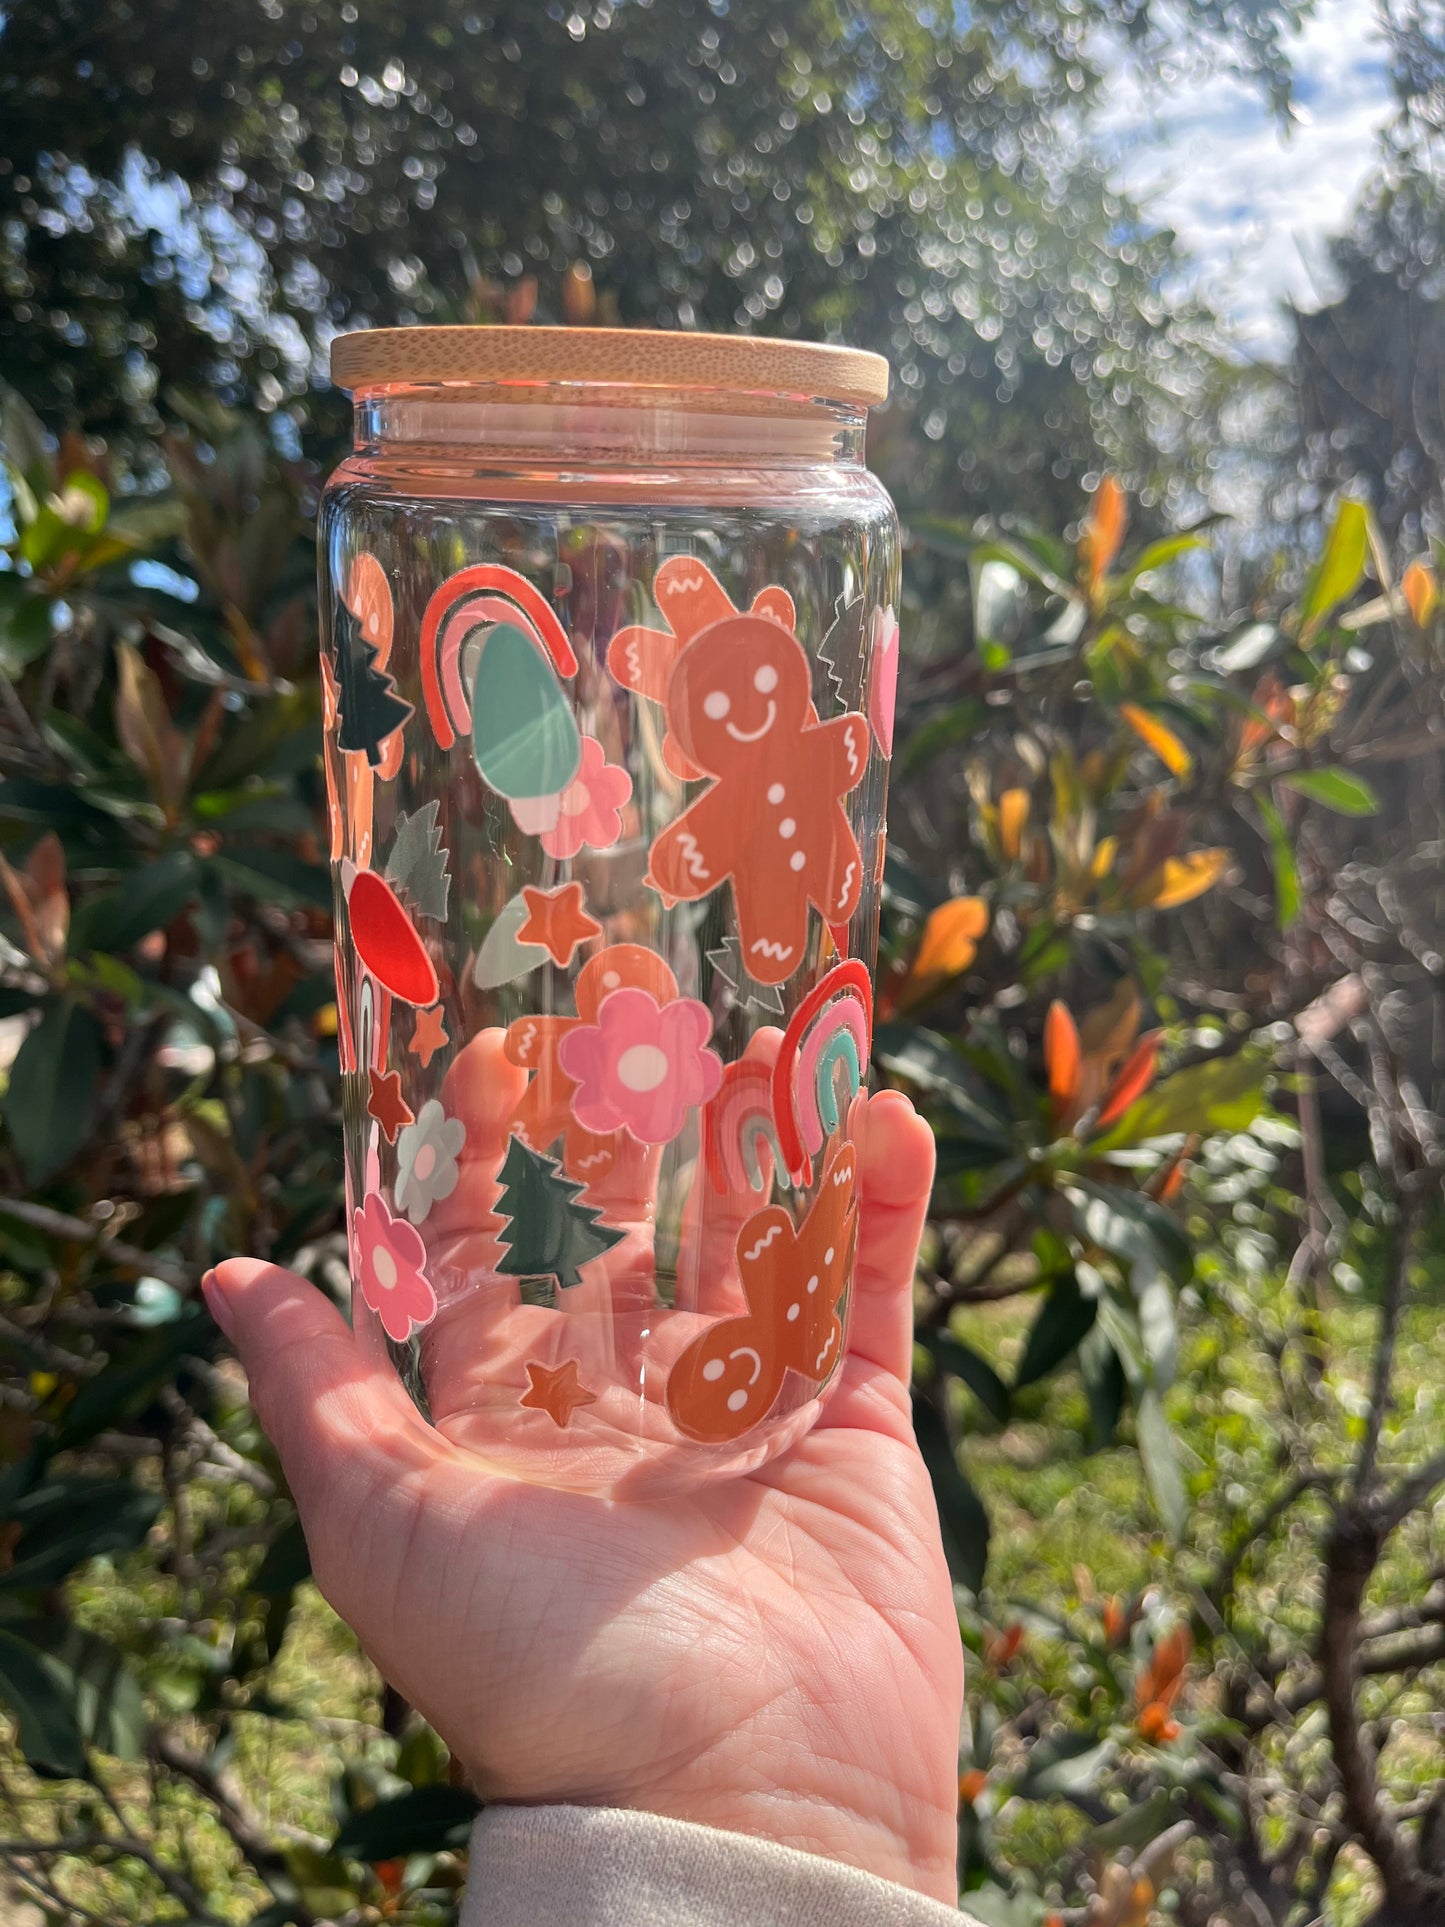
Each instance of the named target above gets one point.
<point>389,1256</point>
<point>641,1066</point>
<point>590,808</point>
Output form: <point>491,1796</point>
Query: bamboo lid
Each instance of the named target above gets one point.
<point>640,359</point>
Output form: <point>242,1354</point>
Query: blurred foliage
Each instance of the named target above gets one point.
<point>204,195</point>
<point>1162,932</point>
<point>1107,919</point>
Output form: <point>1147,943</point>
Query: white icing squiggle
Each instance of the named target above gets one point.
<point>773,1231</point>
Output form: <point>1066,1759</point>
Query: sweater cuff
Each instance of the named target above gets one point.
<point>605,1867</point>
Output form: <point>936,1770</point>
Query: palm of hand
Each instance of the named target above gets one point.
<point>776,1655</point>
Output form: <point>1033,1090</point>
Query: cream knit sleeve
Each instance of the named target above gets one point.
<point>600,1867</point>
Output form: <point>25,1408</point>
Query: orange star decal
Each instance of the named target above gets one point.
<point>557,922</point>
<point>386,1103</point>
<point>428,1034</point>
<point>556,1390</point>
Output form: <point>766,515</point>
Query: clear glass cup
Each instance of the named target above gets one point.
<point>608,653</point>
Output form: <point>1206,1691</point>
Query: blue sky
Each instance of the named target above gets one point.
<point>1252,203</point>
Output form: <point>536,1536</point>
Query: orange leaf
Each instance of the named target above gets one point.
<point>1164,743</point>
<point>1104,527</point>
<point>970,1784</point>
<point>1134,1079</point>
<point>1421,592</point>
<point>1061,1054</point>
<point>1183,878</point>
<point>1013,814</point>
<point>950,938</point>
<point>1162,1678</point>
<point>1156,1725</point>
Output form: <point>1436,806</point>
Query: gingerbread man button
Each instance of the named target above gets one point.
<point>772,820</point>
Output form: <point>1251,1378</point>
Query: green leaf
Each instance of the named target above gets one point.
<point>425,1820</point>
<point>1286,873</point>
<point>50,1102</point>
<point>960,1510</point>
<point>66,1521</point>
<point>1133,1226</point>
<point>1064,1318</point>
<point>1341,568</point>
<point>999,601</point>
<point>1221,1094</point>
<point>1160,553</point>
<point>975,1371</point>
<point>1104,1384</point>
<point>25,631</point>
<point>286,1564</point>
<point>1345,795</point>
<point>957,724</point>
<point>276,876</point>
<point>931,1064</point>
<point>131,1379</point>
<point>1137,1825</point>
<point>23,441</point>
<point>1161,1461</point>
<point>1063,1767</point>
<point>151,897</point>
<point>99,1690</point>
<point>47,1732</point>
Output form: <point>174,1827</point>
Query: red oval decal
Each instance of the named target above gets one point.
<point>388,944</point>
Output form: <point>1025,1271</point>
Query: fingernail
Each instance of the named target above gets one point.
<point>216,1302</point>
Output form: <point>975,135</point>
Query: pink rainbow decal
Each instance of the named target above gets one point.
<point>486,593</point>
<point>840,1036</point>
<point>740,1141</point>
<point>804,1101</point>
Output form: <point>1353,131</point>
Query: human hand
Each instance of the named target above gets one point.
<point>775,1655</point>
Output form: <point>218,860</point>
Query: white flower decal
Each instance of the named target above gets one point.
<point>426,1160</point>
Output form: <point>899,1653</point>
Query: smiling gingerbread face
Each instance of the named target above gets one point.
<point>738,688</point>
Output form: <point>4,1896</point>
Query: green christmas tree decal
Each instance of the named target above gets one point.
<point>546,1233</point>
<point>368,707</point>
<point>418,863</point>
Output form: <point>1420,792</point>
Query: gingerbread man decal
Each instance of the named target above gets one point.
<point>690,598</point>
<point>545,1112</point>
<point>727,1380</point>
<point>739,704</point>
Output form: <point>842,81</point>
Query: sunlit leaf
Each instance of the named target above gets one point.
<point>948,945</point>
<point>1013,814</point>
<point>1346,795</point>
<point>1180,879</point>
<point>1161,1460</point>
<point>1246,648</point>
<point>1221,1094</point>
<point>1061,1054</point>
<point>1103,534</point>
<point>1421,591</point>
<point>1339,571</point>
<point>1160,738</point>
<point>1134,1078</point>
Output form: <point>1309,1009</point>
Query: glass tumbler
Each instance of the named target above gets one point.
<point>609,651</point>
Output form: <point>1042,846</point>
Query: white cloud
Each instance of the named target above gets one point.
<point>1253,203</point>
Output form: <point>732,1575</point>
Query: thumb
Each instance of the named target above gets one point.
<point>341,1426</point>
